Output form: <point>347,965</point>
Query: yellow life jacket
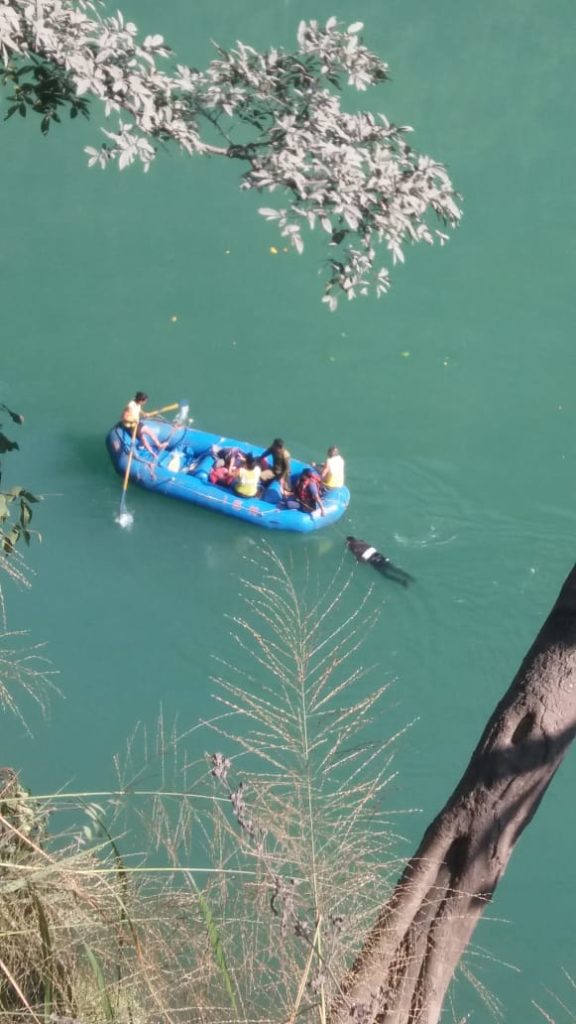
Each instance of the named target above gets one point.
<point>131,415</point>
<point>335,472</point>
<point>248,480</point>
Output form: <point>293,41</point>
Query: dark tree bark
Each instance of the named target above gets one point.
<point>404,968</point>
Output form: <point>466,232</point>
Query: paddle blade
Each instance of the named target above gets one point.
<point>181,416</point>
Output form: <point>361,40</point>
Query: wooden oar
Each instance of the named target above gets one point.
<point>124,518</point>
<point>157,412</point>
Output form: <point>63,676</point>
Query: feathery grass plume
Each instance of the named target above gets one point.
<point>565,1005</point>
<point>24,671</point>
<point>17,569</point>
<point>306,788</point>
<point>472,970</point>
<point>161,905</point>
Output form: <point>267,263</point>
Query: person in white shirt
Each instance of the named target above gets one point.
<point>332,472</point>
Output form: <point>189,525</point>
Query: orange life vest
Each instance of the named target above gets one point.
<point>303,490</point>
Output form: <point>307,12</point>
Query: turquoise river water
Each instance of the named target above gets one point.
<point>452,400</point>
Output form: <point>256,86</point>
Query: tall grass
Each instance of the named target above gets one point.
<point>306,785</point>
<point>23,672</point>
<point>563,1006</point>
<point>232,887</point>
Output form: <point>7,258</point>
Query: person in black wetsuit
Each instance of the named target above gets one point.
<point>364,552</point>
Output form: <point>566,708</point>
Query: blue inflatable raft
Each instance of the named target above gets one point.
<point>182,469</point>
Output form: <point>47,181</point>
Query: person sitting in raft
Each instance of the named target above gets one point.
<point>219,474</point>
<point>307,492</point>
<point>130,419</point>
<point>233,458</point>
<point>226,463</point>
<point>247,478</point>
<point>280,469</point>
<point>332,471</point>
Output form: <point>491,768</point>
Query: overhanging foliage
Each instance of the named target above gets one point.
<point>280,113</point>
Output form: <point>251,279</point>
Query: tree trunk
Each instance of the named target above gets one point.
<point>405,966</point>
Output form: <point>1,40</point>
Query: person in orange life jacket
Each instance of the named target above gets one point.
<point>280,469</point>
<point>220,475</point>
<point>307,492</point>
<point>247,478</point>
<point>332,471</point>
<point>131,417</point>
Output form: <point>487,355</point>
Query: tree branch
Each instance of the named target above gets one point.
<point>352,174</point>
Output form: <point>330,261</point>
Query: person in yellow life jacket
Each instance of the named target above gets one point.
<point>130,419</point>
<point>247,480</point>
<point>131,414</point>
<point>332,472</point>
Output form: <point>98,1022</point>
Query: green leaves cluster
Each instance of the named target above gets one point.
<point>43,88</point>
<point>15,506</point>
<point>15,510</point>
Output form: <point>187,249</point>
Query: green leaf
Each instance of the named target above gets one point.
<point>9,540</point>
<point>14,416</point>
<point>215,942</point>
<point>6,445</point>
<point>44,930</point>
<point>100,983</point>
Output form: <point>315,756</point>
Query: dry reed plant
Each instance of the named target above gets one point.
<point>306,788</point>
<point>23,671</point>
<point>233,888</point>
<point>563,1004</point>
